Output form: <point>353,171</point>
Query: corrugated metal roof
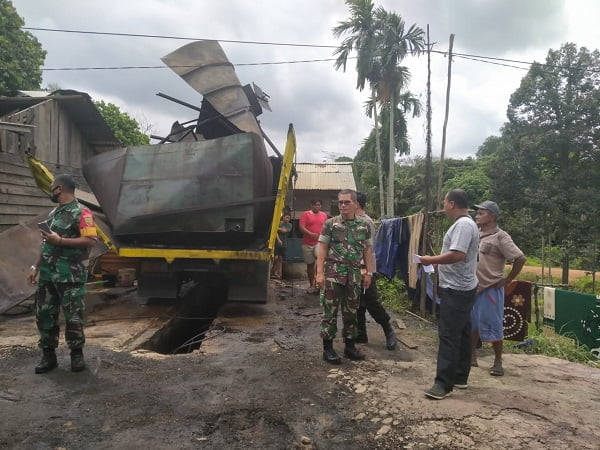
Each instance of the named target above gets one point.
<point>325,176</point>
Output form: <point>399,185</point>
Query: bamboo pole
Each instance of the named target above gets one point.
<point>441,171</point>
<point>425,234</point>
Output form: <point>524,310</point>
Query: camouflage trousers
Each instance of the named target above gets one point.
<point>48,300</point>
<point>337,296</point>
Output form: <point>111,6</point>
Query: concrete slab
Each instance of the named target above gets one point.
<point>114,319</point>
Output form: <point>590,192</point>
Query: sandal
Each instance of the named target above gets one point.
<point>497,370</point>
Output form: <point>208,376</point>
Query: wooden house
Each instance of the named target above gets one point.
<point>62,129</point>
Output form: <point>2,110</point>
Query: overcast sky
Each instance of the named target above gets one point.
<point>323,105</point>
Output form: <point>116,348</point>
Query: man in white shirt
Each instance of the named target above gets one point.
<point>457,266</point>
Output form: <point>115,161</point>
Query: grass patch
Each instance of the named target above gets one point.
<point>393,295</point>
<point>530,276</point>
<point>533,261</point>
<point>584,284</point>
<point>546,342</point>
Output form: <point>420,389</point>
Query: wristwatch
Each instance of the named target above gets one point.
<point>33,267</point>
<point>370,274</point>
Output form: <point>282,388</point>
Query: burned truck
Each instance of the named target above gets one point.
<point>204,203</point>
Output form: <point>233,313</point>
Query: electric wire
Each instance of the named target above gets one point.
<point>181,38</point>
<point>193,340</point>
<point>478,58</point>
<point>271,63</point>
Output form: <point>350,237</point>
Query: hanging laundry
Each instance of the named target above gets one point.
<point>387,243</point>
<point>415,224</point>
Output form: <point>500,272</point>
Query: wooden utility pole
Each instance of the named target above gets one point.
<point>441,171</point>
<point>425,235</point>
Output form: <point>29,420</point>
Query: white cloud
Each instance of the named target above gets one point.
<point>323,104</point>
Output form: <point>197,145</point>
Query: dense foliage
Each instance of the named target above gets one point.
<point>21,54</point>
<point>381,40</point>
<point>125,128</point>
<point>543,168</point>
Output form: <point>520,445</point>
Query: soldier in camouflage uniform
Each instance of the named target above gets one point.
<point>344,241</point>
<point>62,269</point>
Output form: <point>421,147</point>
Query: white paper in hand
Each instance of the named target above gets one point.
<point>416,259</point>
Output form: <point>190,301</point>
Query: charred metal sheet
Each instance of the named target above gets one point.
<point>205,67</point>
<point>106,170</point>
<point>19,249</point>
<point>212,193</point>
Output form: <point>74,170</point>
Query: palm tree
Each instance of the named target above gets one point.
<point>394,44</point>
<point>406,104</point>
<point>371,110</point>
<point>360,31</point>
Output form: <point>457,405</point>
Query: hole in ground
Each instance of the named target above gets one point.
<point>185,332</point>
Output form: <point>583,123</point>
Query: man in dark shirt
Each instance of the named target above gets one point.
<point>369,300</point>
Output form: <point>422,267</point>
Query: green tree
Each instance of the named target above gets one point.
<point>381,41</point>
<point>547,161</point>
<point>343,159</point>
<point>21,54</point>
<point>125,128</point>
<point>407,104</point>
<point>473,179</point>
<point>360,35</point>
<point>395,43</point>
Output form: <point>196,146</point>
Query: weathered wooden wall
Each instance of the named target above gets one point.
<point>56,142</point>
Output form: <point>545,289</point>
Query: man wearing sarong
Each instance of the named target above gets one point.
<point>495,248</point>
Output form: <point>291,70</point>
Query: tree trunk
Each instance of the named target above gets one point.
<point>391,167</point>
<point>379,164</point>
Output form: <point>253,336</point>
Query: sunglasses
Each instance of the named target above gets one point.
<point>344,202</point>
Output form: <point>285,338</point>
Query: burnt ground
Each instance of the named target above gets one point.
<point>258,381</point>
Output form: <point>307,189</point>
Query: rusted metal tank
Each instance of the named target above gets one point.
<point>214,194</point>
<point>211,186</point>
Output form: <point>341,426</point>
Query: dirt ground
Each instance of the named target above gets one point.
<point>258,381</point>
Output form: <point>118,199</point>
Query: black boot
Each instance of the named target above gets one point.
<point>352,352</point>
<point>390,337</point>
<point>77,362</point>
<point>48,361</point>
<point>329,353</point>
